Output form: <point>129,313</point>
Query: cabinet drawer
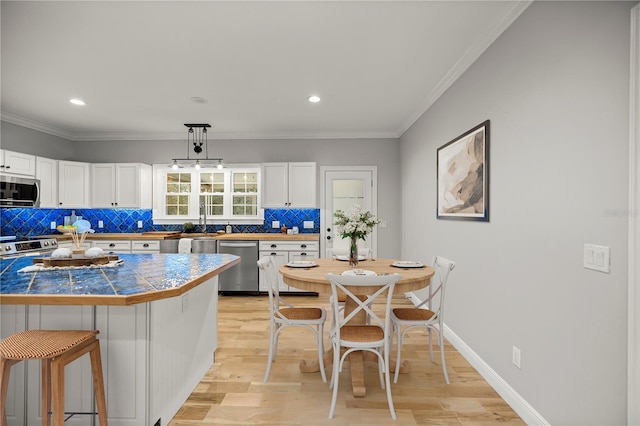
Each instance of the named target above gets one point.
<point>289,246</point>
<point>145,246</point>
<point>114,246</point>
<point>302,255</point>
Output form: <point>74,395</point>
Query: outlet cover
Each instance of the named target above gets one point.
<point>53,225</point>
<point>100,224</point>
<point>275,224</point>
<point>308,224</point>
<point>139,224</point>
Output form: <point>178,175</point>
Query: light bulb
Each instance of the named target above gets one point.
<point>197,166</point>
<point>219,164</point>
<point>175,165</point>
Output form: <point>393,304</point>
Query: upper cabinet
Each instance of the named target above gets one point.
<point>286,185</point>
<point>47,173</point>
<point>121,185</point>
<point>73,184</point>
<point>17,163</point>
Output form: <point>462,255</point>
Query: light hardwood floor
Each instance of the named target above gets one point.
<point>232,392</point>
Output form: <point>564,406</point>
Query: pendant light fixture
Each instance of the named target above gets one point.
<point>196,140</point>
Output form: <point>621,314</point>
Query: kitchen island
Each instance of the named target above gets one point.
<point>158,330</point>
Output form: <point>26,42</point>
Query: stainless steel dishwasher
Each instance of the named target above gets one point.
<point>244,276</point>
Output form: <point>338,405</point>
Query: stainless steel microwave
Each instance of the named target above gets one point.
<point>19,191</point>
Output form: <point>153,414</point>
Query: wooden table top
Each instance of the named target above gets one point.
<point>313,279</point>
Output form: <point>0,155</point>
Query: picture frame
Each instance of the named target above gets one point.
<point>463,176</point>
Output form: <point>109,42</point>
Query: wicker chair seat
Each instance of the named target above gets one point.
<point>361,333</point>
<point>413,314</point>
<point>300,313</point>
<point>42,344</point>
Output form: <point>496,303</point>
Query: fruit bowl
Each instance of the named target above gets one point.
<point>65,230</point>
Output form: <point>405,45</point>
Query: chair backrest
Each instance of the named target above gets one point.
<point>266,265</point>
<point>435,301</point>
<point>362,251</point>
<point>348,285</point>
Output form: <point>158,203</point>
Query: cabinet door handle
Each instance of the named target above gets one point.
<point>303,254</point>
<point>303,246</point>
<point>112,245</point>
<point>145,245</point>
<point>274,245</point>
<point>273,254</point>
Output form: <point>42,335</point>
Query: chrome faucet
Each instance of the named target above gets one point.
<point>203,212</point>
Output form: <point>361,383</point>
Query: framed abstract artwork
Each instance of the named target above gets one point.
<point>463,176</point>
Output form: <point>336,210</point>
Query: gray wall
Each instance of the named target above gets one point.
<point>555,86</point>
<point>383,153</point>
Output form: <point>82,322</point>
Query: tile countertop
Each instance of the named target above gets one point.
<point>175,235</point>
<point>140,278</point>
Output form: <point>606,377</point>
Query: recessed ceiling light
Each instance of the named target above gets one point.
<point>314,99</point>
<point>198,100</point>
<point>76,101</point>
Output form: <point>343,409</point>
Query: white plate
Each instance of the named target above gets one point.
<point>358,272</point>
<point>346,258</point>
<point>302,264</point>
<point>407,264</point>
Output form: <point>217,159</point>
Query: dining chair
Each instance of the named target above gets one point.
<point>282,314</point>
<point>372,337</point>
<point>429,313</point>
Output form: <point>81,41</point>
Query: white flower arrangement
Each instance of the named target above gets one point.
<point>355,222</point>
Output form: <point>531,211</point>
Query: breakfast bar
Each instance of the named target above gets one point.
<point>156,314</point>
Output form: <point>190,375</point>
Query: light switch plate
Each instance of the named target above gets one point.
<point>100,224</point>
<point>139,224</point>
<point>308,224</point>
<point>597,258</point>
<point>275,224</point>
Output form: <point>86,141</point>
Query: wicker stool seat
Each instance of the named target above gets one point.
<point>55,349</point>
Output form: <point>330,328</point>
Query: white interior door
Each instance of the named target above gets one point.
<point>343,187</point>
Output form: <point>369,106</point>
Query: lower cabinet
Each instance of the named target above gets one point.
<point>120,246</point>
<point>151,246</point>
<point>113,247</point>
<point>153,356</point>
<point>283,252</point>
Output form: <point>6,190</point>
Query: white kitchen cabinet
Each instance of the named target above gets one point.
<point>283,252</point>
<point>47,173</point>
<point>123,185</point>
<point>17,163</point>
<point>287,185</point>
<point>150,246</point>
<point>73,184</point>
<point>113,246</point>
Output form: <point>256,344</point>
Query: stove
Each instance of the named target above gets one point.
<point>9,249</point>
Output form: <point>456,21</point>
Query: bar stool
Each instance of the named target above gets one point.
<point>55,349</point>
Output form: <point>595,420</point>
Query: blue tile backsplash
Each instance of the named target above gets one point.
<point>24,223</point>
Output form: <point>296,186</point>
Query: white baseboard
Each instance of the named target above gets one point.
<point>528,414</point>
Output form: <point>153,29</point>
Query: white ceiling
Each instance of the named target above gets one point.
<point>377,65</point>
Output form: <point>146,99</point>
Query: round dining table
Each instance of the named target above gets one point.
<point>313,278</point>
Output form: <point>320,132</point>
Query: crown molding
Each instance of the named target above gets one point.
<point>469,57</point>
<point>35,125</point>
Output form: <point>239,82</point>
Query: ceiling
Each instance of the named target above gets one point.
<point>377,65</point>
